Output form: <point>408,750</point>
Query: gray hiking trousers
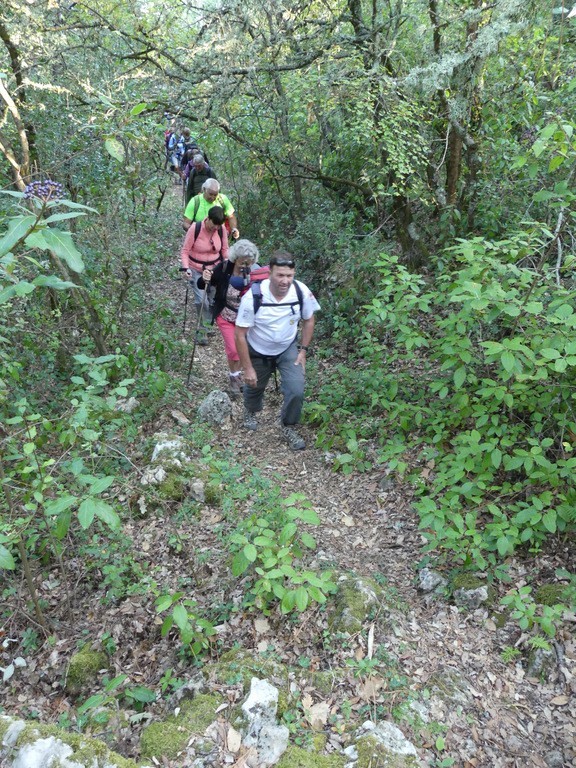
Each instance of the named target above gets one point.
<point>292,383</point>
<point>200,300</point>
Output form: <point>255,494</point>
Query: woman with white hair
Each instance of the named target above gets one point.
<point>231,279</point>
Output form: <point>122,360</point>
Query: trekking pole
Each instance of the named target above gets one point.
<point>200,313</point>
<point>185,308</point>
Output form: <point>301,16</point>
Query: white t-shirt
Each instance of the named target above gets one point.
<point>274,328</point>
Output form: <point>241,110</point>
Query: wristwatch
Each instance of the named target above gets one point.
<point>301,346</point>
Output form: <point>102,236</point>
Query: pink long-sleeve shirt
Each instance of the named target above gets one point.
<point>204,251</point>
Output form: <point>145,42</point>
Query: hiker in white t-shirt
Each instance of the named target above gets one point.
<point>266,340</point>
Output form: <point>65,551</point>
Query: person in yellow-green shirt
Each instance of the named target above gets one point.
<point>199,205</point>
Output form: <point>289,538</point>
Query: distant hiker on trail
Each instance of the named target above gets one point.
<point>266,340</point>
<point>230,279</point>
<point>205,245</point>
<point>170,142</point>
<point>169,146</point>
<point>196,172</point>
<point>177,147</point>
<point>198,207</point>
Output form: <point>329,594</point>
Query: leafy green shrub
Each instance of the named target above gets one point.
<point>478,371</point>
<point>269,544</point>
<point>195,631</point>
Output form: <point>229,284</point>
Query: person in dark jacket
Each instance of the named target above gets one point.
<point>195,173</point>
<point>231,279</point>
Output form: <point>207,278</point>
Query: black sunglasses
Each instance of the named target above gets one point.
<point>283,263</point>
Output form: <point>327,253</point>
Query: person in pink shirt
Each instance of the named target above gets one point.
<point>205,246</point>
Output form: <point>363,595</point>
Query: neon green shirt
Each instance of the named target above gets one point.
<point>199,204</point>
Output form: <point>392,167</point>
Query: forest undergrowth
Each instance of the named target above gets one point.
<point>98,559</point>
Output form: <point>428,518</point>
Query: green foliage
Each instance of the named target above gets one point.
<point>110,560</point>
<point>36,231</point>
<point>476,369</point>
<point>98,709</point>
<point>509,654</point>
<point>530,614</point>
<point>363,668</point>
<point>194,630</point>
<point>266,545</point>
<point>51,465</point>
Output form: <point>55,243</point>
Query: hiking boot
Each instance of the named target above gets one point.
<point>295,442</point>
<point>250,421</point>
<point>236,385</point>
<point>202,341</point>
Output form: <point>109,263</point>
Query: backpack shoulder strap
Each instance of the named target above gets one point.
<point>197,227</point>
<point>196,207</point>
<point>256,295</point>
<point>221,234</point>
<point>300,295</point>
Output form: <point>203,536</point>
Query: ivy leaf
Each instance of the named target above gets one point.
<point>508,361</point>
<point>138,108</point>
<point>59,505</point>
<point>18,227</point>
<point>107,514</point>
<point>51,281</point>
<point>86,513</point>
<point>301,599</point>
<point>239,564</point>
<point>549,521</point>
<point>180,616</point>
<point>61,243</point>
<point>6,559</point>
<point>115,148</point>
